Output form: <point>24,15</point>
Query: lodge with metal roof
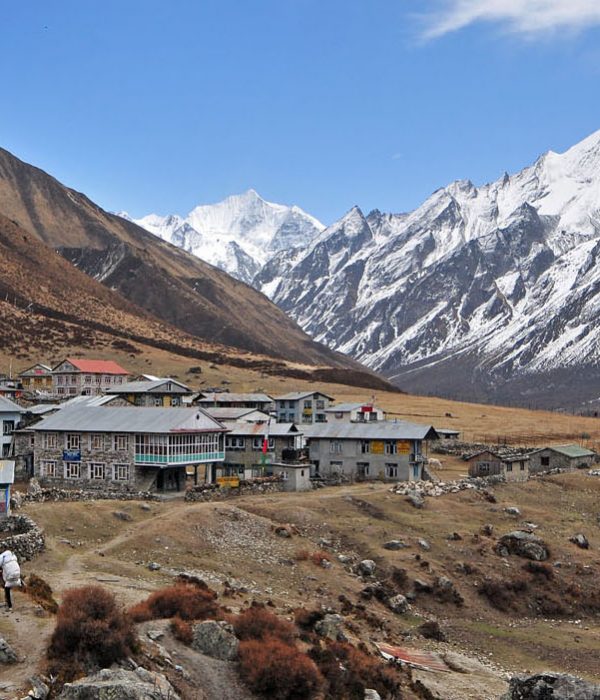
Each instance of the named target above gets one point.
<point>561,457</point>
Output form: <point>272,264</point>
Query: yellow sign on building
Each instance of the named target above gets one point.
<point>377,447</point>
<point>228,481</point>
<point>403,447</point>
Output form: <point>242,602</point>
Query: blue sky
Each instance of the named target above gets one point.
<point>159,106</point>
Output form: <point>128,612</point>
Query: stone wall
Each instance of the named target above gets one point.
<point>37,494</point>
<point>21,535</point>
<point>214,492</point>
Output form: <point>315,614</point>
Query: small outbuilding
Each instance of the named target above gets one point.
<point>561,457</point>
<point>513,466</point>
<point>296,476</point>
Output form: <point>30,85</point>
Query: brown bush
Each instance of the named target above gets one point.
<point>503,595</point>
<point>182,630</point>
<point>317,557</point>
<point>277,670</point>
<point>41,593</point>
<point>400,579</point>
<point>256,623</point>
<point>348,671</point>
<point>188,601</point>
<point>539,569</point>
<point>431,630</point>
<point>91,632</point>
<point>306,619</point>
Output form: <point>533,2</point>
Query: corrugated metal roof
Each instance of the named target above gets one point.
<point>6,406</point>
<point>130,419</point>
<point>378,430</point>
<point>297,395</point>
<point>274,430</point>
<point>345,407</point>
<point>100,400</point>
<point>147,386</point>
<point>232,413</point>
<point>42,408</point>
<point>229,397</point>
<point>571,450</point>
<point>7,471</point>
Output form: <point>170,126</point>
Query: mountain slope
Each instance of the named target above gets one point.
<point>166,281</point>
<point>237,235</point>
<point>489,293</point>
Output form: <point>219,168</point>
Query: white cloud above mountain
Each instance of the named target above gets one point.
<point>530,18</point>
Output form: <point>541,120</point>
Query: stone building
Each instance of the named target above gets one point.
<point>126,448</point>
<point>158,392</point>
<point>388,450</point>
<point>74,376</point>
<point>510,464</point>
<point>354,412</point>
<point>11,415</point>
<point>37,378</point>
<point>228,399</point>
<point>302,407</point>
<point>561,457</point>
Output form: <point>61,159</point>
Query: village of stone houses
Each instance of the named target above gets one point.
<point>177,540</point>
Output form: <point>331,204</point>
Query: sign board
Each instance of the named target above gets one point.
<point>367,409</point>
<point>228,481</point>
<point>71,455</point>
<point>377,447</point>
<point>403,447</point>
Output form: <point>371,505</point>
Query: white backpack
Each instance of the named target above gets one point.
<point>11,572</point>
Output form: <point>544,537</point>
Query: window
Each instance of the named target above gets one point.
<point>391,471</point>
<point>138,400</point>
<point>365,446</point>
<point>121,442</point>
<point>72,390</point>
<point>121,472</point>
<point>363,468</point>
<point>73,441</point>
<point>391,447</point>
<point>545,461</point>
<point>59,379</point>
<point>87,379</point>
<point>6,450</point>
<point>8,427</point>
<point>48,468</point>
<point>50,441</point>
<point>484,467</point>
<point>72,470</point>
<point>373,415</point>
<point>308,403</point>
<point>157,401</point>
<point>522,466</point>
<point>60,390</point>
<point>176,401</point>
<point>335,446</point>
<point>73,379</point>
<point>321,418</point>
<point>320,404</point>
<point>97,471</point>
<point>336,465</point>
<point>290,404</point>
<point>98,379</point>
<point>107,378</point>
<point>233,442</point>
<point>509,467</point>
<point>118,380</point>
<point>96,441</point>
<point>257,443</point>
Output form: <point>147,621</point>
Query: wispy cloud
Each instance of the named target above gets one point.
<point>525,17</point>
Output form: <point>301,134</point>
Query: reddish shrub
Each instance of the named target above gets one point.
<point>348,671</point>
<point>189,602</point>
<point>260,624</point>
<point>41,593</point>
<point>306,619</point>
<point>539,569</point>
<point>503,595</point>
<point>317,557</point>
<point>182,630</point>
<point>277,670</point>
<point>91,631</point>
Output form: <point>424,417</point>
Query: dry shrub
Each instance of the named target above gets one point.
<point>189,602</point>
<point>256,623</point>
<point>348,671</point>
<point>306,619</point>
<point>317,557</point>
<point>91,632</point>
<point>431,630</point>
<point>182,630</point>
<point>503,595</point>
<point>539,569</point>
<point>400,579</point>
<point>277,670</point>
<point>41,593</point>
<point>302,555</point>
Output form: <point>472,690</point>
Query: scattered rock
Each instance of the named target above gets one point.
<point>431,630</point>
<point>331,628</point>
<point>371,694</point>
<point>7,653</point>
<point>154,566</point>
<point>282,531</point>
<point>215,639</point>
<point>424,544</point>
<point>367,567</point>
<point>39,689</point>
<point>512,510</point>
<point>33,487</point>
<point>394,545</point>
<point>487,530</point>
<point>421,586</point>
<point>16,499</point>
<point>416,500</point>
<point>344,559</point>
<point>398,604</point>
<point>145,506</point>
<point>454,536</point>
<point>558,686</point>
<point>155,635</point>
<point>580,540</point>
<point>523,544</point>
<point>139,684</point>
<point>121,515</point>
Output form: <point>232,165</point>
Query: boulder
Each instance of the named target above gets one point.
<point>371,694</point>
<point>523,544</point>
<point>415,500</point>
<point>33,488</point>
<point>121,515</point>
<point>215,639</point>
<point>487,530</point>
<point>424,544</point>
<point>39,688</point>
<point>367,567</point>
<point>331,628</point>
<point>7,653</point>
<point>512,510</point>
<point>398,604</point>
<point>431,630</point>
<point>394,545</point>
<point>139,684</point>
<point>580,540</point>
<point>153,566</point>
<point>558,686</point>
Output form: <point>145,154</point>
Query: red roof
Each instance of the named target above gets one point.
<point>97,366</point>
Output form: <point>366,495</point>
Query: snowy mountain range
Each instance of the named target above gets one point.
<point>481,293</point>
<point>238,234</point>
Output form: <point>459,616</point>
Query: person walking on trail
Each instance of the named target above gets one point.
<point>11,574</point>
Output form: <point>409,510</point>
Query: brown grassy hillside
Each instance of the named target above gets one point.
<point>166,281</point>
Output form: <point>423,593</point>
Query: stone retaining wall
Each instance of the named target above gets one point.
<point>214,492</point>
<point>21,535</point>
<point>55,494</point>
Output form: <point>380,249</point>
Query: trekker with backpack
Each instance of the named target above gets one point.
<point>11,574</point>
